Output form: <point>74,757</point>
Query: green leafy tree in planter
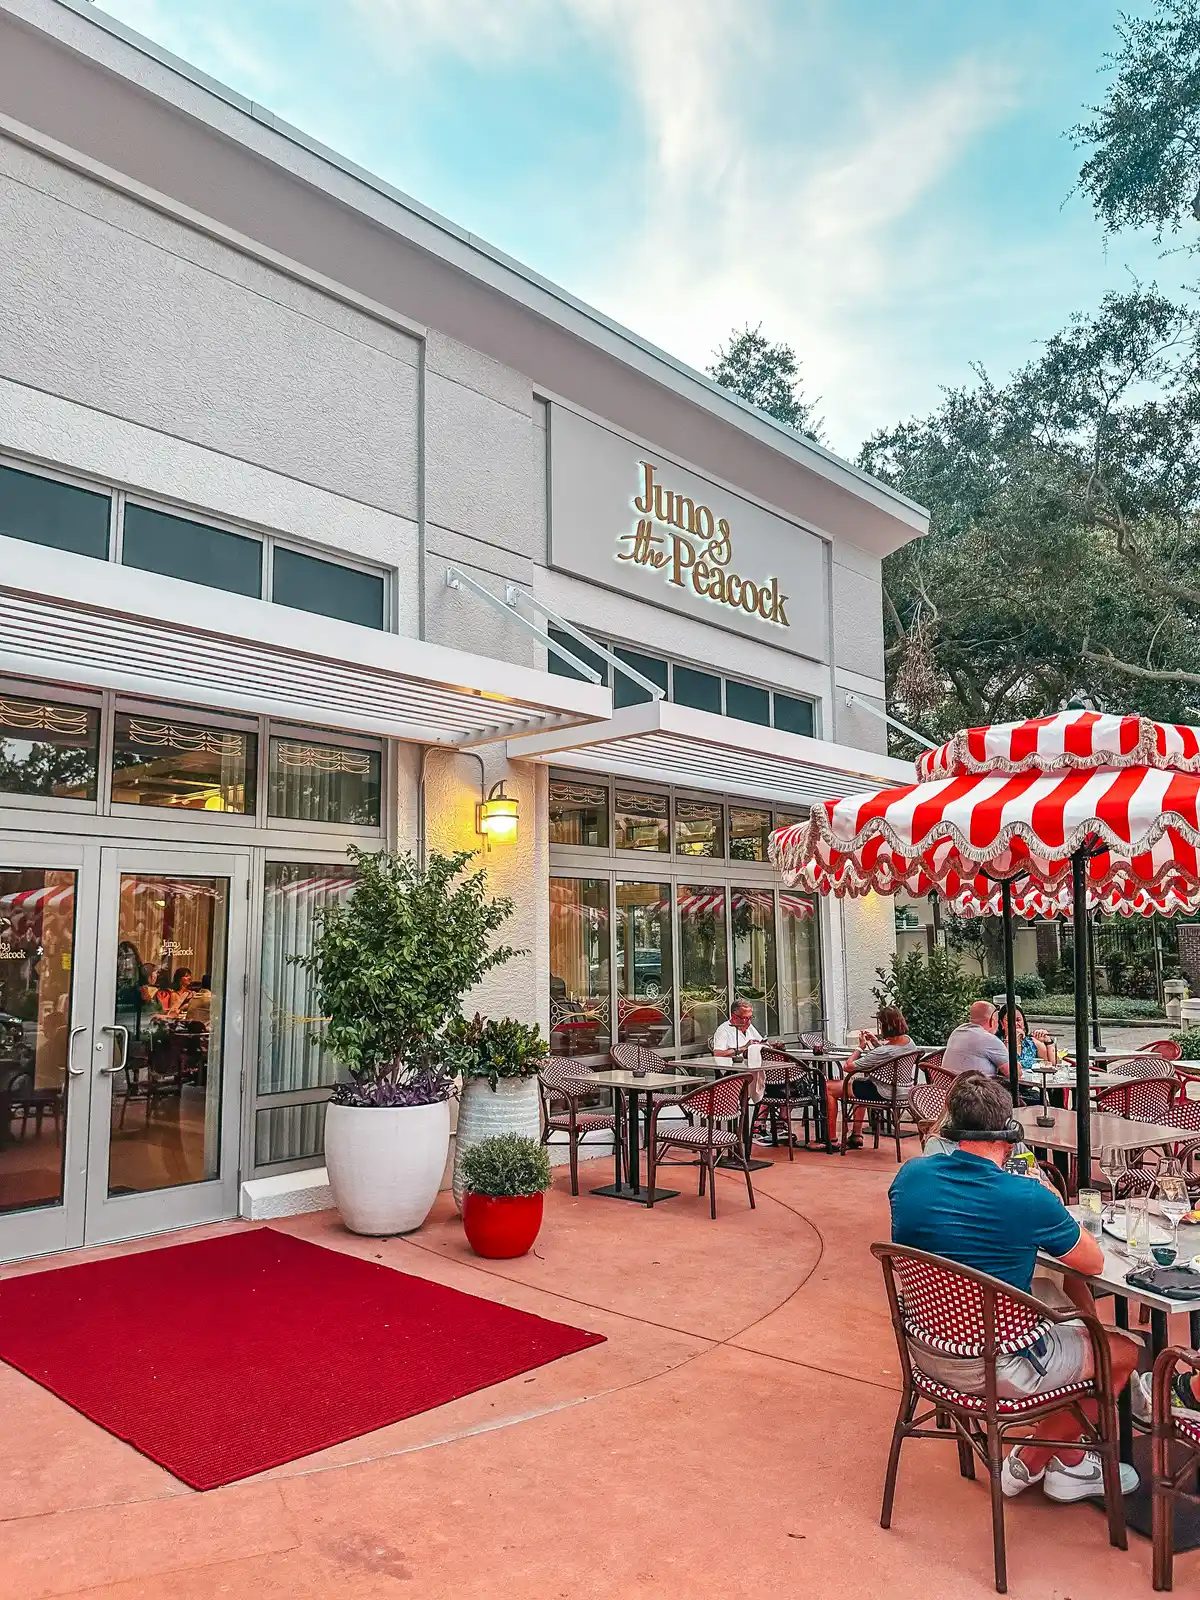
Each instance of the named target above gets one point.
<point>934,994</point>
<point>391,966</point>
<point>505,1165</point>
<point>493,1049</point>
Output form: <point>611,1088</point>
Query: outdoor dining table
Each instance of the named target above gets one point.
<point>1119,1133</point>
<point>1111,1280</point>
<point>628,1088</point>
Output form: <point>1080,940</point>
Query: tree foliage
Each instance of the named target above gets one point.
<point>1062,554</point>
<point>393,963</point>
<point>767,376</point>
<point>1144,166</point>
<point>931,991</point>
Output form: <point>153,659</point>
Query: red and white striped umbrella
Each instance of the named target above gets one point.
<point>1017,801</point>
<point>46,896</point>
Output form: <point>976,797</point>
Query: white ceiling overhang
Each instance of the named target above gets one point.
<point>82,621</point>
<point>667,743</point>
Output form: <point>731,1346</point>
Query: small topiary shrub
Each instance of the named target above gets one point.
<point>507,1164</point>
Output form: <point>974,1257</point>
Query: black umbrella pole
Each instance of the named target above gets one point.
<point>1097,1041</point>
<point>1010,992</point>
<point>1083,1096</point>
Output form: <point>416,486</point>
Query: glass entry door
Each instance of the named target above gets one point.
<point>167,1046</point>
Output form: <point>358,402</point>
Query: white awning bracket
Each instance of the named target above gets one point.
<point>513,594</point>
<point>457,579</point>
<point>873,710</point>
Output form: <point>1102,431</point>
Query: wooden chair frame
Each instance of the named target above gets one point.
<point>1166,1485</point>
<point>700,1104</point>
<point>983,1433</point>
<point>889,1110</point>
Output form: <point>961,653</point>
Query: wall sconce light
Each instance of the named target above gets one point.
<point>496,817</point>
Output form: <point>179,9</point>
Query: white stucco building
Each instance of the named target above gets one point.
<point>267,429</point>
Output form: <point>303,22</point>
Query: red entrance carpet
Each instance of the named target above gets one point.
<point>225,1357</point>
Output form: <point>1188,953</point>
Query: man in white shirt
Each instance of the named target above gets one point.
<point>731,1038</point>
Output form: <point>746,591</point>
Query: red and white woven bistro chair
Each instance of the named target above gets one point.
<point>562,1084</point>
<point>954,1311</point>
<point>894,1081</point>
<point>716,1131</point>
<point>1151,1065</point>
<point>1174,1458</point>
<point>1140,1099</point>
<point>799,1086</point>
<point>1168,1049</point>
<point>927,1103</point>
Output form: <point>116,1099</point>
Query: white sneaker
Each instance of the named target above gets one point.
<point>1141,1393</point>
<point>1085,1481</point>
<point>1015,1476</point>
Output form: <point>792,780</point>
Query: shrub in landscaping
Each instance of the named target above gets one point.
<point>932,991</point>
<point>507,1164</point>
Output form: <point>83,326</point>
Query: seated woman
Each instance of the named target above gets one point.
<point>1031,1052</point>
<point>893,1041</point>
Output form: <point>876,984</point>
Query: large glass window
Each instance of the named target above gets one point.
<point>324,783</point>
<point>329,588</point>
<point>699,828</point>
<point>640,820</point>
<point>643,958</point>
<point>37,926</point>
<point>749,831</point>
<point>289,1133</point>
<point>177,547</point>
<point>41,511</point>
<point>579,966</point>
<point>578,813</point>
<point>289,1058</point>
<point>703,973</point>
<point>626,692</point>
<point>47,748</point>
<point>699,689</point>
<point>800,1007</point>
<point>793,715</point>
<point>747,702</point>
<point>753,918</point>
<point>160,763</point>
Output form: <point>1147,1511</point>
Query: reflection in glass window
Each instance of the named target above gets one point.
<point>37,927</point>
<point>800,1007</point>
<point>749,831</point>
<point>42,511</point>
<point>753,918</point>
<point>564,669</point>
<point>48,748</point>
<point>627,692</point>
<point>790,819</point>
<point>289,1133</point>
<point>747,702</point>
<point>578,813</point>
<point>699,689</point>
<point>579,956</point>
<point>158,763</point>
<point>699,828</point>
<point>177,547</point>
<point>288,1057</point>
<point>640,821</point>
<point>794,716</point>
<point>703,974</point>
<point>329,588</point>
<point>643,959</point>
<point>324,783</point>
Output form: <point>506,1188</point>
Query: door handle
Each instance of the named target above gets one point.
<point>115,1029</point>
<point>76,1072</point>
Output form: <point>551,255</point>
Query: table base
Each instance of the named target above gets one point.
<point>641,1197</point>
<point>756,1165</point>
<point>1138,1504</point>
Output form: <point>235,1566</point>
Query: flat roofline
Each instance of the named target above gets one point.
<point>912,519</point>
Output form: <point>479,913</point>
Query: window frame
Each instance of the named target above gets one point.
<point>70,480</point>
<point>334,741</point>
<point>93,700</point>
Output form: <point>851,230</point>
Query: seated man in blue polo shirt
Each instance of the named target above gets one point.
<point>964,1206</point>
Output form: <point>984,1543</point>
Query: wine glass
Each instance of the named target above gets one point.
<point>1173,1202</point>
<point>1111,1166</point>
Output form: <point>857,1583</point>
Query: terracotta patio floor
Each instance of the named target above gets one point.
<point>729,1438</point>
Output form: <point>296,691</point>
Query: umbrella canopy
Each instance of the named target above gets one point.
<point>1072,810</point>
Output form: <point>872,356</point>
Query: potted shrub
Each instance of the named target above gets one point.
<point>505,1181</point>
<point>391,966</point>
<point>498,1062</point>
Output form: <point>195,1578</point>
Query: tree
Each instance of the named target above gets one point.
<point>1064,534</point>
<point>767,376</point>
<point>1144,169</point>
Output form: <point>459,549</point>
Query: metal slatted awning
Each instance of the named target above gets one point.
<point>93,623</point>
<point>668,743</point>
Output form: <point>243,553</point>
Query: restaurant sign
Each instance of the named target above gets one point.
<point>640,523</point>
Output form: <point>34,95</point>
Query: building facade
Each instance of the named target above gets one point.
<point>318,520</point>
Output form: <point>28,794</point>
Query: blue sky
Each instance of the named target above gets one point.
<point>887,187</point>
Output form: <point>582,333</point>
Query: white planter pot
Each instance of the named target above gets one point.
<point>385,1164</point>
<point>511,1107</point>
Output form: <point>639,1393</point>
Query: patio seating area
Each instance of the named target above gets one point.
<point>731,1435</point>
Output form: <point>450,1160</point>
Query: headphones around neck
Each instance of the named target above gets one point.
<point>1011,1133</point>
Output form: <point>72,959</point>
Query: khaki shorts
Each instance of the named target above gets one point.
<point>1062,1355</point>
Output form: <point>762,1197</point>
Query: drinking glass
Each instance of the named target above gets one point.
<point>1171,1190</point>
<point>1137,1228</point>
<point>1089,1206</point>
<point>1111,1166</point>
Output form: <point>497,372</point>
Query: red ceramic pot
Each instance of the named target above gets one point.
<point>501,1226</point>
